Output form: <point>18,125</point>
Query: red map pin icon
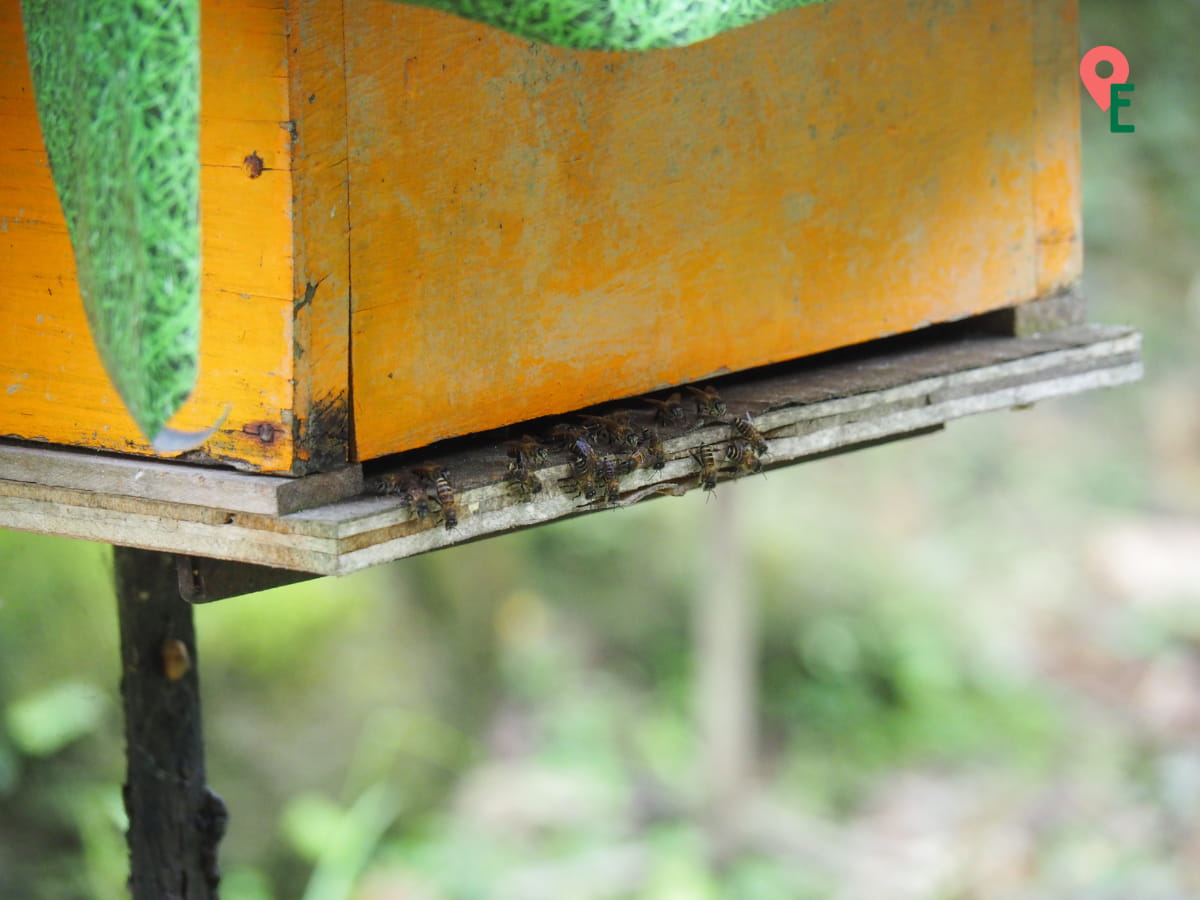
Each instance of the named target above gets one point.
<point>1098,85</point>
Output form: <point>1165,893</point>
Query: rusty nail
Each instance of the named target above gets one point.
<point>264,431</point>
<point>253,164</point>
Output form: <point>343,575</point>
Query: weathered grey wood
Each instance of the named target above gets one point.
<point>1065,309</point>
<point>806,410</point>
<point>202,580</point>
<point>175,482</point>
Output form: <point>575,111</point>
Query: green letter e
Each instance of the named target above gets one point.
<point>1114,112</point>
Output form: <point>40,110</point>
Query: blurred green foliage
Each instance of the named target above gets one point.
<point>939,625</point>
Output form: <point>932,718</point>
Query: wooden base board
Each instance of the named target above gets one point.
<point>170,482</point>
<point>809,409</point>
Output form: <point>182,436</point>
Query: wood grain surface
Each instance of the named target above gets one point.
<point>847,401</point>
<point>455,229</point>
<point>537,229</point>
<point>52,385</point>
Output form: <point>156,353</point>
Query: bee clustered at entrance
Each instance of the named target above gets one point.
<point>599,451</point>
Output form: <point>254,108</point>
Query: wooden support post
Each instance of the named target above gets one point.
<point>175,821</point>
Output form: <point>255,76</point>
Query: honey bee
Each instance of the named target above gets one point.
<point>389,484</point>
<point>745,427</point>
<point>709,404</point>
<point>411,496</point>
<point>669,411</point>
<point>744,457</point>
<point>585,467</point>
<point>416,499</point>
<point>641,458</point>
<point>610,485</point>
<point>522,482</point>
<point>527,450</point>
<point>616,428</point>
<point>652,443</point>
<point>585,458</point>
<point>707,459</point>
<point>580,484</point>
<point>439,478</point>
<point>566,435</point>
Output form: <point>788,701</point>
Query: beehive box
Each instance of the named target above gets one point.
<point>455,229</point>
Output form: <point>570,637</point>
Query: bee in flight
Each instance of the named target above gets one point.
<point>668,412</point>
<point>707,459</point>
<point>750,434</point>
<point>438,477</point>
<point>709,405</point>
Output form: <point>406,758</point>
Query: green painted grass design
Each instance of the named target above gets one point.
<point>118,95</point>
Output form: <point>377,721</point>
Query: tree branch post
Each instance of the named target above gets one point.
<point>175,821</point>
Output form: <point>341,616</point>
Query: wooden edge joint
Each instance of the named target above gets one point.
<point>202,580</point>
<point>1062,309</point>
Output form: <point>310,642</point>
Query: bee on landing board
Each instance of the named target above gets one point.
<point>649,455</point>
<point>416,499</point>
<point>584,458</point>
<point>750,434</point>
<point>389,484</point>
<point>527,450</point>
<point>585,470</point>
<point>565,436</point>
<point>652,445</point>
<point>709,405</point>
<point>744,457</point>
<point>580,484</point>
<point>411,495</point>
<point>609,484</point>
<point>616,429</point>
<point>439,478</point>
<point>706,457</point>
<point>668,412</point>
<point>522,482</point>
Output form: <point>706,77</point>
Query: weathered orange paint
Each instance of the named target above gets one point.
<point>456,229</point>
<point>535,230</point>
<point>1056,149</point>
<point>321,276</point>
<point>52,386</point>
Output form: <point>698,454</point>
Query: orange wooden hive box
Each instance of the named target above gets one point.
<point>455,229</point>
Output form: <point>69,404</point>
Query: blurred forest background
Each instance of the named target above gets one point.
<point>978,652</point>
